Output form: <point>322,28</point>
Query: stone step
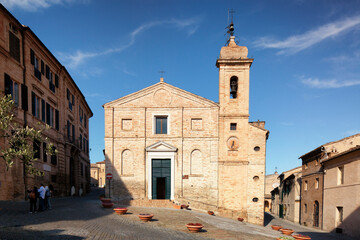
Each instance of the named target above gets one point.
<point>148,203</point>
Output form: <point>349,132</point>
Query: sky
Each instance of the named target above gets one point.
<point>304,81</point>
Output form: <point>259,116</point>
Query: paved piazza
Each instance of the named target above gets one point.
<point>84,218</point>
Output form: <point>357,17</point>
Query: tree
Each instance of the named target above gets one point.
<point>20,140</point>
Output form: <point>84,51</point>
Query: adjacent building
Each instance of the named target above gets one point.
<point>313,178</point>
<point>271,182</point>
<point>44,93</point>
<point>342,192</point>
<point>98,174</point>
<point>166,143</point>
<point>286,197</point>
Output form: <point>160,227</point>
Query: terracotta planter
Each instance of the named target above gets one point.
<point>120,211</point>
<point>106,200</point>
<point>301,237</point>
<point>194,227</point>
<point>286,231</point>
<point>107,205</point>
<point>240,219</point>
<point>145,217</point>
<point>177,206</point>
<point>276,227</point>
<point>210,212</point>
<point>184,206</point>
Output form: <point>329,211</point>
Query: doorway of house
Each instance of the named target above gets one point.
<point>316,214</point>
<point>161,178</point>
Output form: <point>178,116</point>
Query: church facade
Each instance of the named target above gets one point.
<point>166,143</point>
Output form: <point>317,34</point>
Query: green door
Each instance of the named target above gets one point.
<point>161,178</point>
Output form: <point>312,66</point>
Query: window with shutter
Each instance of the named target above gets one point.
<point>47,114</point>
<point>14,43</point>
<point>56,81</point>
<point>73,133</point>
<point>36,105</point>
<point>54,156</point>
<point>36,149</point>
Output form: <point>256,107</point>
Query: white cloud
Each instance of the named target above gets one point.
<point>297,43</point>
<point>34,5</point>
<point>331,83</point>
<point>74,60</point>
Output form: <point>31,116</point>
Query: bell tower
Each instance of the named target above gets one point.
<point>237,167</point>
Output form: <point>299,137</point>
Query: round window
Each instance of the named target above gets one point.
<point>256,178</point>
<point>257,148</point>
<point>255,199</point>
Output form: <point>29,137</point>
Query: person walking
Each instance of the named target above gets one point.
<point>41,197</point>
<point>32,198</point>
<point>47,197</point>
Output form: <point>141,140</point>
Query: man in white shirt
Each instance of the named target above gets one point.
<point>41,197</point>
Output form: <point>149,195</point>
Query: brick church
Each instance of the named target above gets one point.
<point>166,143</point>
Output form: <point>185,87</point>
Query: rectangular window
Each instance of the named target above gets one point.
<point>196,124</point>
<point>340,175</point>
<point>54,156</point>
<point>317,183</point>
<point>81,169</point>
<point>43,112</point>
<point>36,149</point>
<point>70,99</point>
<point>161,125</point>
<point>37,72</point>
<point>42,67</point>
<point>81,140</point>
<point>51,82</point>
<point>53,178</point>
<point>44,152</point>
<point>305,208</point>
<point>68,126</point>
<point>80,114</point>
<point>14,46</point>
<point>16,94</point>
<point>36,105</point>
<point>305,185</point>
<point>232,126</point>
<point>85,121</point>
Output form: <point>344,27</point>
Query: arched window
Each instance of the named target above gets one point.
<point>196,162</point>
<point>127,162</point>
<point>233,87</point>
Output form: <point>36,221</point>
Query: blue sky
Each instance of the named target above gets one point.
<point>304,82</point>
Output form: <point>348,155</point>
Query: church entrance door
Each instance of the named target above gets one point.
<point>161,178</point>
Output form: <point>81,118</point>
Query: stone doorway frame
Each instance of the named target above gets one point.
<point>160,150</point>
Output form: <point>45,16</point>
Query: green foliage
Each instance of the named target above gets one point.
<point>286,238</point>
<point>19,140</point>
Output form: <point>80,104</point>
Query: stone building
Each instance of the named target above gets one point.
<point>44,93</point>
<point>97,173</point>
<point>313,178</point>
<point>166,143</point>
<point>271,182</point>
<point>287,195</point>
<point>342,192</point>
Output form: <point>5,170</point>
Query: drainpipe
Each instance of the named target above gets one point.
<point>25,119</point>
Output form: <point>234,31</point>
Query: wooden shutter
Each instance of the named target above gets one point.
<point>33,103</point>
<point>47,71</point>
<point>14,45</point>
<point>43,116</point>
<point>42,67</point>
<point>44,152</point>
<point>8,85</point>
<point>24,97</point>
<point>32,57</point>
<point>47,114</point>
<point>57,119</point>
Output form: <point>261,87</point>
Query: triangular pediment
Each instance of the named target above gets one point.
<point>161,95</point>
<point>161,147</point>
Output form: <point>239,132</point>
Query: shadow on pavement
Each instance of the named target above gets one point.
<point>267,219</point>
<point>20,233</point>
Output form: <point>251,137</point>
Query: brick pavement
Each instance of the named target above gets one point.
<point>84,218</point>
